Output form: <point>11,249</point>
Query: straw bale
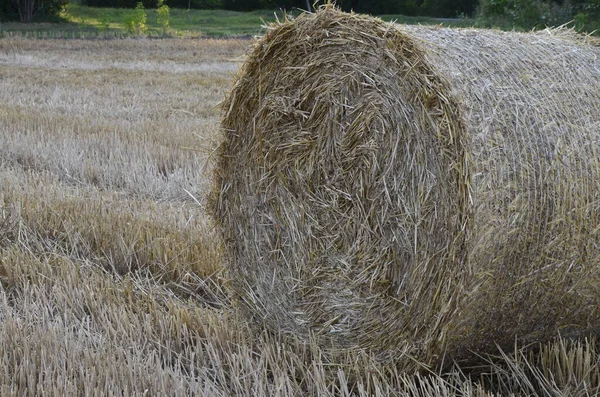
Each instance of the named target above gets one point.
<point>417,192</point>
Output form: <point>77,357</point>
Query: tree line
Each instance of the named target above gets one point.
<point>441,8</point>
<point>435,8</point>
<point>526,14</point>
<point>27,10</point>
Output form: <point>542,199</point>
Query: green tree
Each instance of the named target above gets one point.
<point>528,14</point>
<point>136,21</point>
<point>242,5</point>
<point>379,7</point>
<point>288,4</point>
<point>448,8</point>
<point>27,10</point>
<point>162,15</point>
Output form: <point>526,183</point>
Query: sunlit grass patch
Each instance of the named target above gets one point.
<point>91,22</point>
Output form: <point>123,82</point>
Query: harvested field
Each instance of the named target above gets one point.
<point>424,193</point>
<point>111,277</point>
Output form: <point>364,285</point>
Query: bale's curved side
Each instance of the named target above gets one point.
<point>532,108</point>
<point>410,189</point>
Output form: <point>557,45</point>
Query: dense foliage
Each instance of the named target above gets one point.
<point>442,8</point>
<point>506,14</point>
<point>437,8</point>
<point>27,10</point>
<point>502,13</point>
<point>199,4</point>
<point>529,14</point>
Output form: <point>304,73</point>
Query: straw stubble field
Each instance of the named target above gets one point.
<point>110,271</point>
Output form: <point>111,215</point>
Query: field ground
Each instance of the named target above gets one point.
<point>110,273</point>
<point>86,22</point>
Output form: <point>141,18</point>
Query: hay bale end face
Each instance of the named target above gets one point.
<point>413,190</point>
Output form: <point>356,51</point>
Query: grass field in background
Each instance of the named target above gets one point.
<point>212,23</point>
<point>83,22</point>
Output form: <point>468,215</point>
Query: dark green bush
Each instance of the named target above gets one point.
<point>46,9</point>
<point>537,14</point>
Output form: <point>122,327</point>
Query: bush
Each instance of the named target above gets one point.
<point>447,8</point>
<point>530,14</point>
<point>525,14</point>
<point>135,22</point>
<point>241,5</point>
<point>591,14</point>
<point>585,23</point>
<point>55,7</point>
<point>162,15</point>
<point>28,10</point>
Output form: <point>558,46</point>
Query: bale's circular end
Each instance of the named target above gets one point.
<point>342,185</point>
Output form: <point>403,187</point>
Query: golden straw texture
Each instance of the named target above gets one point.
<point>416,192</point>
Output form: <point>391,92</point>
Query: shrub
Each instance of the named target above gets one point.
<point>135,22</point>
<point>525,14</point>
<point>529,14</point>
<point>589,17</point>
<point>27,10</point>
<point>162,15</point>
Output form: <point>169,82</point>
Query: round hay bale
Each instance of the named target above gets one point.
<point>413,191</point>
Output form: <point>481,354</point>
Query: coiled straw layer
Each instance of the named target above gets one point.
<point>413,191</point>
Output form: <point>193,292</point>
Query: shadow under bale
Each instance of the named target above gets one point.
<point>418,192</point>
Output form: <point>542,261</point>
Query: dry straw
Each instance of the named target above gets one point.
<point>422,193</point>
